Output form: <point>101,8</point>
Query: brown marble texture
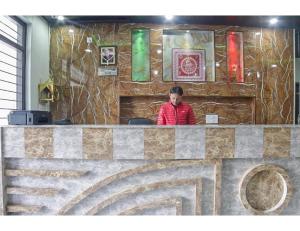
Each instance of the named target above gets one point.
<point>156,166</point>
<point>166,202</point>
<point>265,190</point>
<point>159,143</point>
<point>38,142</point>
<point>46,192</point>
<point>274,101</point>
<point>277,142</point>
<point>87,98</point>
<point>218,187</point>
<point>97,143</point>
<point>31,209</point>
<point>149,187</point>
<point>230,110</point>
<point>219,143</point>
<point>44,173</point>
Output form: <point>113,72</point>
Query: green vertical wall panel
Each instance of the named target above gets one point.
<point>140,55</point>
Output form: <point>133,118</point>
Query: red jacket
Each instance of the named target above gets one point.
<point>176,115</point>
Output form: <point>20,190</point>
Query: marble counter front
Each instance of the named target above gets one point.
<point>150,142</point>
<point>165,170</point>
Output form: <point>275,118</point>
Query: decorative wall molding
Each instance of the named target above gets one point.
<point>265,189</point>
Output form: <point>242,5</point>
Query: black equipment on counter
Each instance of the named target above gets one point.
<point>29,117</point>
<point>139,121</point>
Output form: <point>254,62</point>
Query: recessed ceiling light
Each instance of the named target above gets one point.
<point>60,18</point>
<point>169,17</point>
<point>71,31</point>
<point>273,65</point>
<point>273,21</point>
<point>155,72</point>
<point>187,31</point>
<point>159,51</point>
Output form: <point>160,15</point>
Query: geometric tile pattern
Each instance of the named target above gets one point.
<point>151,143</point>
<point>131,187</point>
<point>194,179</point>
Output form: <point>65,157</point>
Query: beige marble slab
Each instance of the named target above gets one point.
<point>97,143</point>
<point>277,142</point>
<point>159,143</point>
<point>219,143</point>
<point>38,142</point>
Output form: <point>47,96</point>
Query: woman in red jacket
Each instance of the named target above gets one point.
<point>176,112</point>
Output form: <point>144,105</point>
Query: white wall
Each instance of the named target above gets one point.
<point>37,59</point>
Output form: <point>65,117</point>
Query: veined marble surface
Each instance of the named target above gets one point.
<point>117,170</point>
<point>108,142</point>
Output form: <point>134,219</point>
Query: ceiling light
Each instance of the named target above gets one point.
<point>273,65</point>
<point>257,33</point>
<point>155,72</point>
<point>71,31</point>
<point>60,18</point>
<point>88,50</point>
<point>273,21</point>
<point>187,31</point>
<point>169,17</point>
<point>159,51</point>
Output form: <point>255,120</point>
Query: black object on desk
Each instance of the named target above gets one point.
<point>29,117</point>
<point>63,122</point>
<point>140,121</point>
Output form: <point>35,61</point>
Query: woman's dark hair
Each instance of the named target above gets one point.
<point>176,90</point>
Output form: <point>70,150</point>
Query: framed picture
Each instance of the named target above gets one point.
<point>108,55</point>
<point>188,65</point>
<point>192,40</point>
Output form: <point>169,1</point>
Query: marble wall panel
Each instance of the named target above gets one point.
<point>229,110</point>
<point>249,142</point>
<point>97,143</point>
<point>190,143</point>
<point>128,143</point>
<point>38,142</point>
<point>67,143</point>
<point>277,142</point>
<point>96,99</point>
<point>159,143</point>
<point>295,142</point>
<point>13,142</point>
<point>219,142</point>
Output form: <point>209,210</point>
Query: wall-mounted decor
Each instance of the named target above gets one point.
<point>140,55</point>
<point>108,55</point>
<point>107,71</point>
<point>265,189</point>
<point>47,91</point>
<point>188,65</point>
<point>235,62</point>
<point>192,40</point>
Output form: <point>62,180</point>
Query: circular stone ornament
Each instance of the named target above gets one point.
<point>265,189</point>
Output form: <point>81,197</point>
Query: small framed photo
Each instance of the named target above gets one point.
<point>108,55</point>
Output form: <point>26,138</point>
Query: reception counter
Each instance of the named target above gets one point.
<point>150,170</point>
